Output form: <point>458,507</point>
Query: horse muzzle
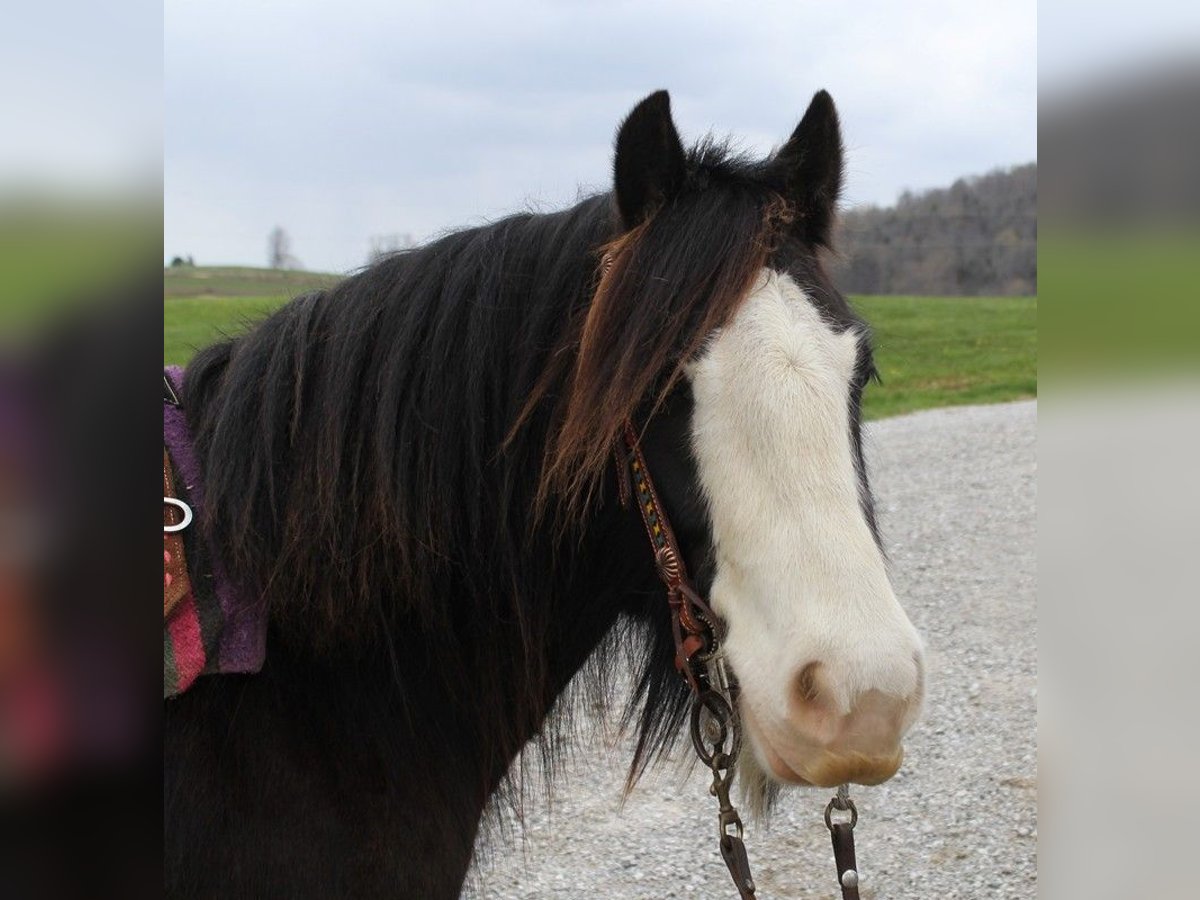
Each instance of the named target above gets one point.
<point>822,746</point>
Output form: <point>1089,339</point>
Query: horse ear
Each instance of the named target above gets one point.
<point>648,168</point>
<point>809,168</point>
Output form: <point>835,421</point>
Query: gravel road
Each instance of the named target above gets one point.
<point>956,493</point>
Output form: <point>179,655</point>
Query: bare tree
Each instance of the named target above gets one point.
<point>279,250</point>
<point>386,244</point>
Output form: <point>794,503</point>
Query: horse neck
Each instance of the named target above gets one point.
<point>616,567</point>
<point>605,575</point>
<point>449,643</point>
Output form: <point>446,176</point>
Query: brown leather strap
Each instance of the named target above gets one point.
<point>733,851</point>
<point>658,527</point>
<point>693,623</point>
<point>842,834</point>
<point>694,627</point>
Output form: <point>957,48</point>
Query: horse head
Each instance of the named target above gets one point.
<point>751,420</point>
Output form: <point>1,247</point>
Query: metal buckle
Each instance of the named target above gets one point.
<point>169,393</point>
<point>187,515</point>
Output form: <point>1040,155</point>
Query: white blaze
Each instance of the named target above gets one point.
<point>799,577</point>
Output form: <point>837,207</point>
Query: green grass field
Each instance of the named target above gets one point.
<point>191,323</point>
<point>931,351</point>
<point>948,351</point>
<point>241,281</point>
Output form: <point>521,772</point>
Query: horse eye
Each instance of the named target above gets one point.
<point>863,377</point>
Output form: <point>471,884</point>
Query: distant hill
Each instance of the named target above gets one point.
<point>241,281</point>
<point>976,237</point>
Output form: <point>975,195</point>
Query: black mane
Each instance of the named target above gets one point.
<point>368,422</point>
<point>359,457</point>
<point>373,457</point>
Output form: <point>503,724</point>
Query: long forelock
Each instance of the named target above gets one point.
<point>667,285</point>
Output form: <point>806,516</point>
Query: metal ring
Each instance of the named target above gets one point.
<point>187,515</point>
<point>712,641</point>
<point>829,813</point>
<point>721,713</point>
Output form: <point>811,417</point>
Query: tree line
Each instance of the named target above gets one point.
<point>976,237</point>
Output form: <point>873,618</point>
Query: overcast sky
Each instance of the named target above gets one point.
<point>340,121</point>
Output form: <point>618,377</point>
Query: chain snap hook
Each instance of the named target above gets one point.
<point>842,835</point>
<point>843,803</point>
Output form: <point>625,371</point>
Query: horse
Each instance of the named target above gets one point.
<point>414,472</point>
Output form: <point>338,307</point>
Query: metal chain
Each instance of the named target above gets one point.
<point>699,658</point>
<point>713,722</point>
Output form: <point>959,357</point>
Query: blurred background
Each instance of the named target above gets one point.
<point>80,198</point>
<point>1119,428</point>
<point>286,145</point>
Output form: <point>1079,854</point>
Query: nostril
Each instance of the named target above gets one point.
<point>810,690</point>
<point>806,683</point>
<point>813,704</point>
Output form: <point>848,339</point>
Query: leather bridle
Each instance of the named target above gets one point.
<point>694,625</point>
<point>697,633</point>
